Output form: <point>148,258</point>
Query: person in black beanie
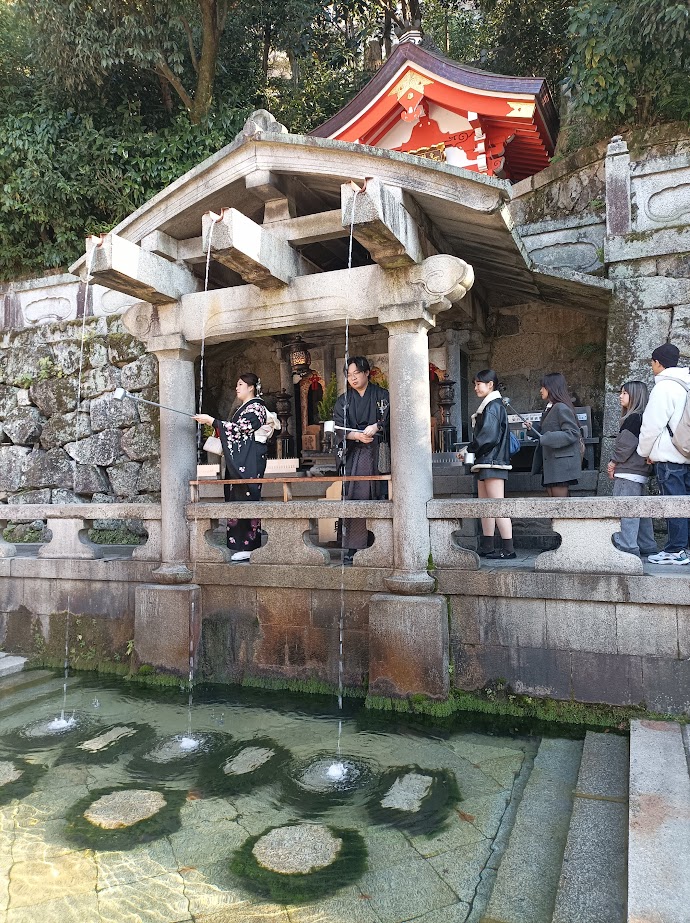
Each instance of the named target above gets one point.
<point>659,421</point>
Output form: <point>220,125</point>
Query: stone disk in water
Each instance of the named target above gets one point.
<point>124,808</point>
<point>247,760</point>
<point>48,727</point>
<point>175,748</point>
<point>105,740</point>
<point>320,776</point>
<point>9,772</point>
<point>407,793</point>
<point>297,849</point>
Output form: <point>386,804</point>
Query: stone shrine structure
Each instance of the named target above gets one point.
<point>444,258</point>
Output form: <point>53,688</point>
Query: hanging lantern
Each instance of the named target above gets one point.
<point>299,357</point>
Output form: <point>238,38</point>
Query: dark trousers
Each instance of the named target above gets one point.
<point>674,481</point>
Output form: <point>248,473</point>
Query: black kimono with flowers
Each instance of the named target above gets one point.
<point>244,458</point>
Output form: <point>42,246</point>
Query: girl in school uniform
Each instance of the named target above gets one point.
<point>630,472</point>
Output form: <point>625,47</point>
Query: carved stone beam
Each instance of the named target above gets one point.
<point>189,251</point>
<point>310,302</point>
<point>271,188</point>
<point>124,267</point>
<point>247,248</point>
<point>382,224</point>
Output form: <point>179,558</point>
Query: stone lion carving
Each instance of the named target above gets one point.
<point>263,121</point>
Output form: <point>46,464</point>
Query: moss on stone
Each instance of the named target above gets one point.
<point>299,888</point>
<point>88,836</point>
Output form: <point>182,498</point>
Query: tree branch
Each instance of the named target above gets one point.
<point>222,15</point>
<point>190,38</point>
<point>165,71</point>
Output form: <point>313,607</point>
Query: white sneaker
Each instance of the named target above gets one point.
<point>669,557</point>
<point>241,556</point>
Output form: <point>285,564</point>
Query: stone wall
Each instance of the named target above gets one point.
<point>62,441</point>
<point>589,638</point>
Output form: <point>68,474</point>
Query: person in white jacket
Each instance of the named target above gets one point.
<point>664,410</point>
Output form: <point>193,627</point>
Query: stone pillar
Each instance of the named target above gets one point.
<point>177,452</point>
<point>618,206</point>
<point>410,428</point>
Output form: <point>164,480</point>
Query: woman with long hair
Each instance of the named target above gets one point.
<point>244,447</point>
<point>491,447</point>
<point>557,457</point>
<point>630,472</point>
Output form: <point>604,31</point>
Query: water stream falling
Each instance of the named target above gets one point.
<point>337,771</point>
<point>189,743</point>
<point>63,723</point>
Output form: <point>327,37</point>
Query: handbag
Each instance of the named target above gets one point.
<point>515,444</point>
<point>213,446</point>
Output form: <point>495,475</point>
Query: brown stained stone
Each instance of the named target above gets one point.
<point>298,849</point>
<point>281,647</point>
<point>322,654</point>
<point>408,645</point>
<point>124,808</point>
<point>326,606</point>
<point>236,602</point>
<point>283,607</point>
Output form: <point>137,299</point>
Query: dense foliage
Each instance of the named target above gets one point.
<point>103,105</point>
<point>630,59</point>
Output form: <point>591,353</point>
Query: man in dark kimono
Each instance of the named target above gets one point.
<point>363,412</point>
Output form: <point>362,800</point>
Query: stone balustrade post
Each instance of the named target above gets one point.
<point>410,429</point>
<point>178,452</point>
<point>7,549</point>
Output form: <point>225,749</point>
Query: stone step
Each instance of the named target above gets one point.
<point>10,664</point>
<point>23,680</point>
<point>527,878</point>
<point>593,882</point>
<point>659,824</point>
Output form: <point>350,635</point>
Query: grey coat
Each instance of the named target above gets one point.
<point>558,453</point>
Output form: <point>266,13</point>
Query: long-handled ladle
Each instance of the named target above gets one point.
<point>120,393</point>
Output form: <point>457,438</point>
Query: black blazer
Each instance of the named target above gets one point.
<point>490,437</point>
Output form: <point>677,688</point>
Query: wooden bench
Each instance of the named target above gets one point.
<point>287,481</point>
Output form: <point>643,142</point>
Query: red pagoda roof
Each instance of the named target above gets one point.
<point>422,103</point>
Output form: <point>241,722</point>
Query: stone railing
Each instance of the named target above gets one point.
<point>585,525</point>
<point>70,523</point>
<point>287,526</point>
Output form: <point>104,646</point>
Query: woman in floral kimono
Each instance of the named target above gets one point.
<point>245,457</point>
<point>362,417</point>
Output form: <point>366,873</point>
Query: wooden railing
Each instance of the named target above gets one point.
<point>288,481</point>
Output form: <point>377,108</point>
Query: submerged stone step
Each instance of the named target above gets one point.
<point>527,878</point>
<point>659,824</point>
<point>10,664</point>
<point>23,679</point>
<point>593,882</point>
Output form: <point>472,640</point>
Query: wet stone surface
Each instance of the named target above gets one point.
<point>105,740</point>
<point>174,749</point>
<point>125,808</point>
<point>407,793</point>
<point>9,772</point>
<point>247,760</point>
<point>296,850</point>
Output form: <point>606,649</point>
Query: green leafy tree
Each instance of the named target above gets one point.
<point>630,60</point>
<point>79,43</point>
